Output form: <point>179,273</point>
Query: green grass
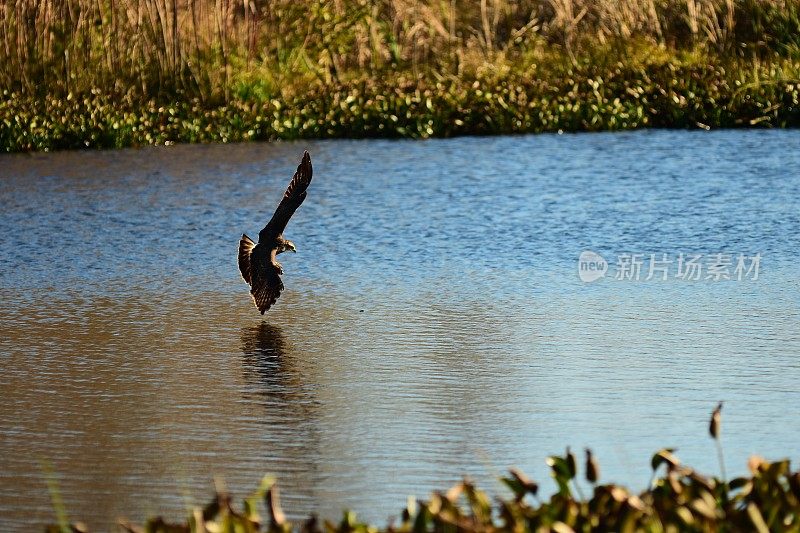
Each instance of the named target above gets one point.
<point>666,90</point>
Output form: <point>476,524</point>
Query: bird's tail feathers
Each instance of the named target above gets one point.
<point>246,246</point>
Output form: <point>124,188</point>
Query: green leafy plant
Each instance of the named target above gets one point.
<point>678,499</point>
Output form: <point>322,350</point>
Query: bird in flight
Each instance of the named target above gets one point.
<point>257,262</point>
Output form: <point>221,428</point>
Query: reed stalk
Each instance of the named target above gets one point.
<point>203,48</point>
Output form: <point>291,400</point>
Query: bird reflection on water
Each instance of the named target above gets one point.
<point>264,348</point>
<point>275,380</point>
<point>273,370</point>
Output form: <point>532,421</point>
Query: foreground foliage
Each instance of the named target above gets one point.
<point>679,499</point>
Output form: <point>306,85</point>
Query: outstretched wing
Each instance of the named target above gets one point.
<point>266,284</point>
<point>246,246</point>
<point>292,198</point>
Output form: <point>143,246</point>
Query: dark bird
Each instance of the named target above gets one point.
<point>257,262</point>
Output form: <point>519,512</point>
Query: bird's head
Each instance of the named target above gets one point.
<point>285,246</point>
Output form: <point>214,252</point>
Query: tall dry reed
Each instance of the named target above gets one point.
<point>207,48</point>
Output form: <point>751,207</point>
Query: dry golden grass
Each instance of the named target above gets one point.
<point>206,47</point>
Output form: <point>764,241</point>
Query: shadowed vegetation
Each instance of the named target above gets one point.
<point>678,499</point>
<point>79,73</point>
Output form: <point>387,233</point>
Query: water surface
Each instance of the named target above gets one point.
<point>433,324</point>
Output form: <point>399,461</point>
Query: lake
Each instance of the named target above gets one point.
<point>435,322</point>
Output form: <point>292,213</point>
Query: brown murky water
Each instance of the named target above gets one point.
<point>433,324</point>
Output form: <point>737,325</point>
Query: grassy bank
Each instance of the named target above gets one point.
<point>106,73</point>
<point>671,93</point>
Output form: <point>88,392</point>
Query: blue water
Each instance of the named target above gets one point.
<point>434,323</point>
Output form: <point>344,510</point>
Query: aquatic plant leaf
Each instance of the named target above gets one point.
<point>716,421</point>
<point>685,515</point>
<point>479,502</point>
<point>705,505</point>
<point>196,522</point>
<point>664,455</point>
<point>754,464</point>
<point>592,468</point>
<point>619,494</point>
<point>251,503</point>
<point>410,509</point>
<point>738,483</point>
<point>454,492</point>
<point>515,485</point>
<point>707,483</point>
<point>272,500</point>
<point>55,498</point>
<point>756,518</point>
<point>794,485</point>
<point>520,483</point>
<point>778,469</point>
<point>421,520</point>
<point>561,527</point>
<point>674,482</point>
<point>559,470</point>
<point>571,464</point>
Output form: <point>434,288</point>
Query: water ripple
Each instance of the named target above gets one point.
<point>433,323</point>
